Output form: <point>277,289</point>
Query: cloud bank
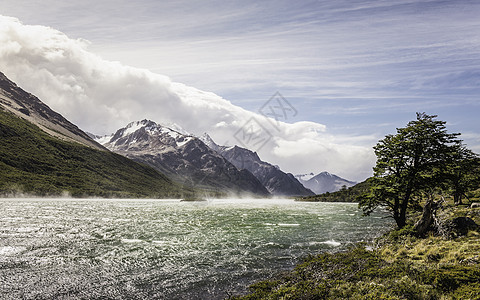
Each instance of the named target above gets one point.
<point>101,96</point>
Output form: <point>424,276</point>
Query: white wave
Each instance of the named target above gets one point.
<point>9,250</point>
<point>332,243</point>
<point>131,241</point>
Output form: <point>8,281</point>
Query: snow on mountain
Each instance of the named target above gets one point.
<point>181,156</point>
<point>211,143</point>
<point>324,182</point>
<point>132,134</point>
<point>175,127</point>
<point>305,177</point>
<point>102,139</point>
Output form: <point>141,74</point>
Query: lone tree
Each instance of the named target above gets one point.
<point>410,164</point>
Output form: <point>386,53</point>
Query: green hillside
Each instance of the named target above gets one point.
<point>344,195</point>
<point>35,163</point>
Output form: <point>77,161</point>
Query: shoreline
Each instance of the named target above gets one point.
<point>397,265</point>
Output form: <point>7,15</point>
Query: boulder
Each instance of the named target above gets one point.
<point>460,226</point>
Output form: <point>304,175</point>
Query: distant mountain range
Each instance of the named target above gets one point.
<point>41,152</point>
<point>324,182</point>
<point>200,161</point>
<point>275,180</point>
<point>183,157</point>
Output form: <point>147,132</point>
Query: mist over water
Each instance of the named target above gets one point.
<point>164,249</point>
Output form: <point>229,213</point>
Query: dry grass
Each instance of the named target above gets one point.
<point>436,250</point>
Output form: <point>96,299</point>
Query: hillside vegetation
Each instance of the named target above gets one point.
<point>35,163</point>
<point>349,194</point>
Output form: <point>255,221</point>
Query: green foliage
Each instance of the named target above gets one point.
<point>400,233</point>
<point>34,163</point>
<point>350,194</point>
<point>450,278</point>
<point>417,161</point>
<point>463,174</point>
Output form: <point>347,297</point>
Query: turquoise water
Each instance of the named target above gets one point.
<point>164,249</point>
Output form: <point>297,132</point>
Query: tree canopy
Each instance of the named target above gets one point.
<point>418,160</point>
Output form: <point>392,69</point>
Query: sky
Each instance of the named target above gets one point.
<point>337,75</point>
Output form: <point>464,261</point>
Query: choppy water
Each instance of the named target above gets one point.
<point>138,249</point>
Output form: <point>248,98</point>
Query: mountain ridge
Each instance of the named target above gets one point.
<point>183,157</point>
<point>275,180</point>
<point>29,107</point>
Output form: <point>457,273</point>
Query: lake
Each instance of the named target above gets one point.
<point>164,249</point>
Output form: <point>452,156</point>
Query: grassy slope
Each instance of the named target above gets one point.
<point>345,195</point>
<point>35,163</point>
<point>400,267</point>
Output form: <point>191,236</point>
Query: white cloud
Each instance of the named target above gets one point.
<point>101,96</point>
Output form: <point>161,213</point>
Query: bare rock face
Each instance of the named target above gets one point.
<point>180,156</point>
<point>30,108</point>
<point>275,180</point>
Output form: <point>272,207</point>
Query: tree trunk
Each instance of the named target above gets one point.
<point>428,218</point>
<point>458,201</point>
<point>457,198</point>
<point>402,218</point>
<point>396,211</point>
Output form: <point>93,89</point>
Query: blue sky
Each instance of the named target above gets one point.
<point>361,68</point>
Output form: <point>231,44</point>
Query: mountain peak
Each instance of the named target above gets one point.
<point>206,137</point>
<point>134,126</point>
<point>146,134</point>
<point>324,182</point>
<point>325,173</point>
<point>275,180</point>
<point>207,140</point>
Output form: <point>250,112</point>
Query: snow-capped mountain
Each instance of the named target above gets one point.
<point>275,180</point>
<point>323,182</point>
<point>183,157</point>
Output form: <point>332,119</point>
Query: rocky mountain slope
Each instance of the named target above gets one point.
<point>324,182</point>
<point>30,108</point>
<point>54,161</point>
<point>275,180</point>
<point>184,158</point>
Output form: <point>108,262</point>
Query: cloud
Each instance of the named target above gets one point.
<point>101,96</point>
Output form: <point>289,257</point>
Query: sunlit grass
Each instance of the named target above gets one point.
<point>435,250</point>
